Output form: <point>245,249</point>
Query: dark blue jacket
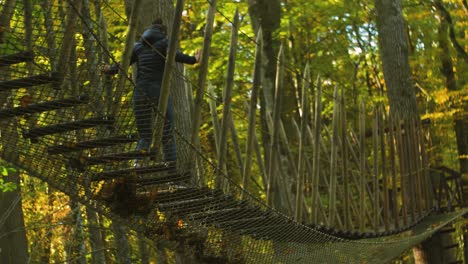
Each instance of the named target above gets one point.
<point>150,56</point>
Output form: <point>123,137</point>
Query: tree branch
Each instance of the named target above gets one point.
<point>446,15</point>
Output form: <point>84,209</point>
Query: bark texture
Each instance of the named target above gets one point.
<point>266,14</point>
<point>394,53</point>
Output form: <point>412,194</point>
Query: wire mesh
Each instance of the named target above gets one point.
<point>73,128</point>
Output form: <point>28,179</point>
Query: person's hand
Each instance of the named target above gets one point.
<point>198,55</point>
<point>105,68</point>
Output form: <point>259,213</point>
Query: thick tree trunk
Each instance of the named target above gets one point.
<point>460,122</point>
<point>13,243</point>
<point>121,243</point>
<point>77,249</point>
<point>394,53</point>
<point>429,252</point>
<point>143,247</point>
<point>397,73</point>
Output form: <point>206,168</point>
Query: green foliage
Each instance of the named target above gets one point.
<point>5,185</point>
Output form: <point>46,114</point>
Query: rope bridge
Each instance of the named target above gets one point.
<point>69,125</point>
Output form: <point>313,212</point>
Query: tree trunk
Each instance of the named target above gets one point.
<point>77,249</point>
<point>429,252</point>
<point>121,243</point>
<point>5,17</point>
<point>400,92</point>
<point>143,247</point>
<point>460,122</point>
<point>266,14</point>
<point>394,53</point>
<point>13,243</point>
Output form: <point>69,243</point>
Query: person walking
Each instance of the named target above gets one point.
<point>150,55</point>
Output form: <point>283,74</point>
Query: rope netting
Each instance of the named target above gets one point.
<point>67,123</point>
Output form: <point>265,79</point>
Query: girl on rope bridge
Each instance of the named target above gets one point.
<point>150,55</point>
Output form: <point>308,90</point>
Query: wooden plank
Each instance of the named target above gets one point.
<point>157,168</point>
<point>10,59</point>
<point>69,126</point>
<point>90,144</point>
<point>122,156</point>
<point>44,106</point>
<point>30,81</point>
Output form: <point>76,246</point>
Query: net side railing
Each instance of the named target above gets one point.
<point>73,128</point>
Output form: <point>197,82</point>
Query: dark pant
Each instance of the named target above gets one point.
<point>144,107</point>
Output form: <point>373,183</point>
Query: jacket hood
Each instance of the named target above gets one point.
<point>151,36</point>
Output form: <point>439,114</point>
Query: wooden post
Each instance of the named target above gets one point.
<point>416,166</point>
<point>333,161</point>
<point>189,92</point>
<point>308,167</point>
<point>376,191</point>
<point>276,123</point>
<point>227,98</point>
<point>302,143</point>
<point>257,78</point>
<point>126,55</point>
<point>402,161</point>
<point>362,166</point>
<point>158,124</point>
<point>355,180</point>
<point>214,115</point>
<point>420,165</point>
<point>235,144</point>
<point>69,36</point>
<point>392,154</point>
<point>258,153</point>
<point>200,89</point>
<point>410,169</point>
<point>344,162</point>
<point>427,186</point>
<point>385,189</point>
<point>316,139</point>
